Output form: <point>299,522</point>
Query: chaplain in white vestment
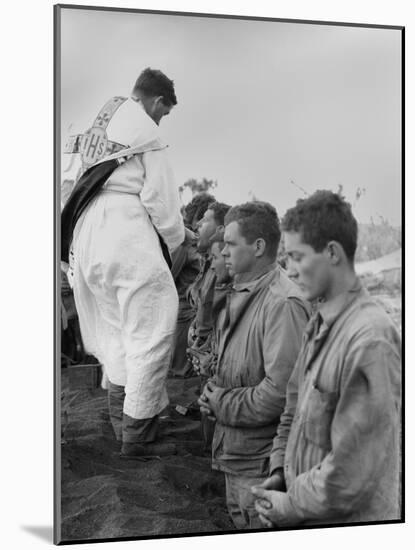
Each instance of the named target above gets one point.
<point>124,292</point>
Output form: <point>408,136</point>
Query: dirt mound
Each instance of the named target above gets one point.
<point>106,496</point>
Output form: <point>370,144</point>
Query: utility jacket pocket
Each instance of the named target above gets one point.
<point>318,416</point>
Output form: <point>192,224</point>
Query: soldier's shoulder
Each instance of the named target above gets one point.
<point>369,315</point>
<point>283,287</point>
<point>283,292</point>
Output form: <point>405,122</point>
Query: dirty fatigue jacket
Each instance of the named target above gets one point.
<point>338,439</point>
<point>259,336</point>
<point>185,268</point>
<point>201,295</point>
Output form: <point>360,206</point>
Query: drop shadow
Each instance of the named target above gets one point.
<point>42,532</point>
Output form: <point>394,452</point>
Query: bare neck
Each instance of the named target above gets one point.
<point>343,280</point>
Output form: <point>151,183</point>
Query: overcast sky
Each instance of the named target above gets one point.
<point>261,104</point>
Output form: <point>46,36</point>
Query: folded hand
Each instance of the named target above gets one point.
<point>266,505</point>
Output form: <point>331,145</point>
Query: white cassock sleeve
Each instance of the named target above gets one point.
<point>160,198</point>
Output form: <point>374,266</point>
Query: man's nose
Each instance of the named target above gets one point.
<point>292,270</point>
<point>224,251</point>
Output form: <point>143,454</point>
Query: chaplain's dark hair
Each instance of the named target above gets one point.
<point>257,220</point>
<point>152,82</point>
<point>219,211</point>
<point>195,209</point>
<point>323,217</point>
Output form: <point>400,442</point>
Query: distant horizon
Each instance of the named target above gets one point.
<point>372,221</point>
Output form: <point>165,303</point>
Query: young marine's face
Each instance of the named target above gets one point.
<point>308,268</point>
<point>218,264</point>
<point>239,255</point>
<point>206,228</point>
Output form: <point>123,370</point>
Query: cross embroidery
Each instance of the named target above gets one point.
<point>102,120</point>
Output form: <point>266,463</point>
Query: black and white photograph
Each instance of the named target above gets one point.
<point>230,274</point>
<point>204,274</point>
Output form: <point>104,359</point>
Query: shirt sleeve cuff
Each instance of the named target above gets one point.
<point>216,400</point>
<point>276,461</point>
<point>288,514</point>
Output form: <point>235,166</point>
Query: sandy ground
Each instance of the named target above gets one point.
<point>105,496</point>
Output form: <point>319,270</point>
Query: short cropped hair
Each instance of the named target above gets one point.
<point>219,211</point>
<point>257,220</point>
<point>218,237</point>
<point>323,217</point>
<point>152,82</point>
<point>196,208</point>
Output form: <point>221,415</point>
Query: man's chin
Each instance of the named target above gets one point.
<point>224,280</point>
<point>201,247</point>
<point>311,297</point>
<point>306,293</point>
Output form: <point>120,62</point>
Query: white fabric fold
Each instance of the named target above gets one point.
<point>125,295</point>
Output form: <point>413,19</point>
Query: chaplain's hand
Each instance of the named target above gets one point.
<point>266,504</point>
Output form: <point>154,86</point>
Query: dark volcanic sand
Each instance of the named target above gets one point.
<point>105,496</point>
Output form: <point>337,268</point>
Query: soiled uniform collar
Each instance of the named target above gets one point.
<point>331,310</point>
<point>248,280</point>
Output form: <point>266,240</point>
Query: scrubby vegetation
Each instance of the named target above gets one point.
<point>376,240</point>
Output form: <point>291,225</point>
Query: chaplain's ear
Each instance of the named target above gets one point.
<point>335,252</point>
<point>159,101</point>
<point>260,246</point>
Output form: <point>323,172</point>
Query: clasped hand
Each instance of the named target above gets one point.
<point>200,360</point>
<point>206,400</point>
<point>267,494</point>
